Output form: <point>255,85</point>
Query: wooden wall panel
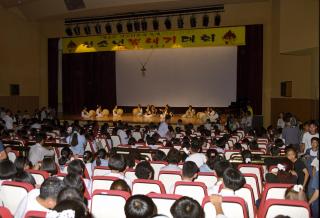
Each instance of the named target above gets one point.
<point>304,109</point>
<point>20,102</point>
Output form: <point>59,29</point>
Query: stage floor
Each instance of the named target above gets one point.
<point>129,118</point>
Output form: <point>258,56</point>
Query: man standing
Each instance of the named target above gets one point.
<point>163,129</point>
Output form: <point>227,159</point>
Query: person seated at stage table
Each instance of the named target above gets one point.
<point>117,111</point>
<point>213,116</point>
<point>85,113</point>
<point>189,113</point>
<point>153,110</point>
<point>137,111</point>
<point>98,111</point>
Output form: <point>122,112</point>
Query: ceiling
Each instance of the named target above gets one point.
<point>56,9</point>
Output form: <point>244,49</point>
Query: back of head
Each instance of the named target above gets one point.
<point>173,156</point>
<point>21,162</point>
<point>140,206</point>
<point>246,156</point>
<point>76,167</point>
<point>23,176</point>
<point>158,155</point>
<point>68,193</point>
<point>39,138</point>
<point>49,165</point>
<point>50,188</point>
<point>220,166</point>
<point>79,208</point>
<point>233,179</point>
<point>74,181</point>
<point>120,185</point>
<point>144,170</point>
<point>117,162</point>
<point>278,143</point>
<point>101,154</point>
<point>186,207</point>
<point>189,169</point>
<point>7,169</point>
<point>195,145</point>
<point>87,157</point>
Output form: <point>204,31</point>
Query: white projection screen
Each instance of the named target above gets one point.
<point>201,77</point>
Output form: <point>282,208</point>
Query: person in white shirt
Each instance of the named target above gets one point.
<point>43,114</point>
<point>195,156</point>
<point>99,111</point>
<point>163,129</point>
<point>8,120</point>
<point>280,122</point>
<point>117,164</point>
<point>85,113</point>
<point>173,158</point>
<point>220,166</point>
<point>213,115</point>
<point>77,141</point>
<point>123,135</point>
<point>39,151</point>
<point>41,200</point>
<point>306,139</point>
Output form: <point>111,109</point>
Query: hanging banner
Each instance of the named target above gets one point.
<point>222,36</point>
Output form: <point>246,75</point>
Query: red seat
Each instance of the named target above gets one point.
<point>255,169</point>
<point>5,212</point>
<point>274,191</point>
<point>195,190</point>
<point>145,186</point>
<point>164,202</point>
<point>168,178</point>
<point>252,180</point>
<point>35,214</point>
<point>38,175</point>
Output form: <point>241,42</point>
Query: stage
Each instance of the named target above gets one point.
<point>134,120</point>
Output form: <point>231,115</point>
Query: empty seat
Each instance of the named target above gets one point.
<point>157,165</point>
<point>145,186</point>
<point>38,175</point>
<point>130,174</point>
<point>234,207</point>
<point>195,190</point>
<point>254,169</point>
<point>164,202</point>
<point>12,193</point>
<point>101,171</point>
<point>5,212</point>
<point>274,191</point>
<point>35,214</point>
<point>108,203</point>
<point>252,180</point>
<point>102,182</point>
<point>291,208</point>
<point>169,178</point>
<point>209,179</point>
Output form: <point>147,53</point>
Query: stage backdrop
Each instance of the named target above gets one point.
<point>178,77</point>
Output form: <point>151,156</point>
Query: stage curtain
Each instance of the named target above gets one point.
<point>88,79</point>
<point>250,68</point>
<point>53,55</point>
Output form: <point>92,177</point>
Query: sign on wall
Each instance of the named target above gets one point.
<point>222,36</point>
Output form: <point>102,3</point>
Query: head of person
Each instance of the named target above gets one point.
<point>48,164</point>
<point>120,185</point>
<point>173,156</point>
<point>39,139</point>
<point>253,145</point>
<point>76,167</point>
<point>140,206</point>
<point>274,151</point>
<point>87,156</point>
<point>158,155</point>
<point>74,181</point>
<point>313,127</point>
<point>101,154</point>
<point>23,176</point>
<point>66,154</point>
<point>315,143</point>
<point>237,146</point>
<point>22,163</point>
<point>69,193</point>
<point>291,154</point>
<point>117,162</point>
<point>189,171</point>
<point>49,191</point>
<point>167,118</point>
<point>75,207</point>
<point>195,145</point>
<point>220,166</point>
<point>246,156</point>
<point>7,169</point>
<point>144,170</point>
<point>295,193</point>
<point>186,207</point>
<point>233,179</point>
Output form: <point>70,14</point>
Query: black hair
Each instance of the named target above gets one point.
<point>120,185</point>
<point>25,177</point>
<point>140,206</point>
<point>291,148</point>
<point>132,157</point>
<point>87,156</point>
<point>50,188</point>
<point>246,154</point>
<point>39,138</point>
<point>186,207</point>
<point>7,169</point>
<point>69,193</point>
<point>76,167</point>
<point>117,162</point>
<point>253,145</point>
<point>278,143</point>
<point>220,166</point>
<point>77,206</point>
<point>212,153</point>
<point>195,145</point>
<point>173,156</point>
<point>274,150</point>
<point>21,162</point>
<point>74,139</point>
<point>66,153</point>
<point>158,155</point>
<point>237,146</point>
<point>132,141</point>
<point>144,170</point>
<point>74,181</point>
<point>189,169</point>
<point>101,154</point>
<point>49,165</point>
<point>233,179</point>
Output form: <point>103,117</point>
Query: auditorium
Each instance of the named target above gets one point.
<point>159,108</point>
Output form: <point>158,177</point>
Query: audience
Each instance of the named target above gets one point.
<point>144,170</point>
<point>140,206</point>
<point>186,207</point>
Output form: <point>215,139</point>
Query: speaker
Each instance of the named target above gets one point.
<point>14,89</point>
<point>74,4</point>
<point>286,89</point>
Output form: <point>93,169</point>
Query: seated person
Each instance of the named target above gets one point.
<point>42,199</point>
<point>25,177</point>
<point>173,159</point>
<point>137,111</point>
<point>187,207</point>
<point>195,155</point>
<point>69,208</point>
<point>219,167</point>
<point>212,156</point>
<point>117,111</point>
<point>120,185</point>
<point>189,113</point>
<point>140,206</point>
<point>85,113</point>
<point>233,180</point>
<point>144,170</point>
<point>189,171</point>
<point>296,193</point>
<point>99,111</point>
<point>213,116</point>
<point>283,175</point>
<point>38,151</point>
